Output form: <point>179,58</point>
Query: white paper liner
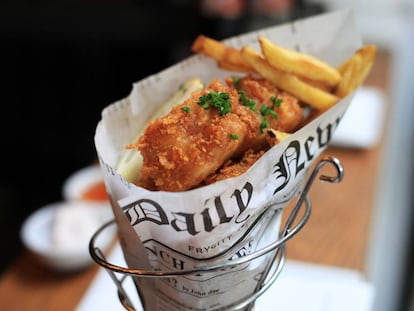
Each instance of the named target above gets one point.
<point>215,223</point>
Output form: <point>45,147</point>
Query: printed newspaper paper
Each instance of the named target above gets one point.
<point>228,219</point>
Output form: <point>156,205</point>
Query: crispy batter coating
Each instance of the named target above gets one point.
<point>194,145</point>
<point>183,147</point>
<point>234,168</point>
<point>289,112</point>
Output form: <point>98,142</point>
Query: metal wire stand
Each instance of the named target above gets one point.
<point>273,269</point>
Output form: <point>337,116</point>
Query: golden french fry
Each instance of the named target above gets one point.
<point>318,84</point>
<point>274,137</point>
<point>356,69</point>
<point>313,96</point>
<point>227,57</point>
<point>230,67</point>
<point>209,47</point>
<point>235,66</point>
<point>299,64</point>
<point>279,135</point>
<point>233,60</point>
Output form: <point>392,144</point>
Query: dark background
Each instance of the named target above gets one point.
<point>61,62</point>
<point>60,65</point>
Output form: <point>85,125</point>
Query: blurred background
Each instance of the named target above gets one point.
<point>62,62</point>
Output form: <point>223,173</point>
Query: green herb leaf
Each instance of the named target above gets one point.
<point>218,100</point>
<point>266,110</point>
<point>234,136</point>
<point>186,109</point>
<point>275,101</point>
<point>203,102</point>
<point>247,101</point>
<point>264,124</point>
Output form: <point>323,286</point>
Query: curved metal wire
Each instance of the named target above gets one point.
<point>278,263</point>
<point>289,230</point>
<point>292,216</point>
<point>171,273</point>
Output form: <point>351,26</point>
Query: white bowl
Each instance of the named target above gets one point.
<point>78,182</point>
<point>59,233</point>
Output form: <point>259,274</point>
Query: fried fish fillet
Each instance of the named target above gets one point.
<point>234,168</point>
<point>210,128</point>
<point>289,112</point>
<point>192,141</point>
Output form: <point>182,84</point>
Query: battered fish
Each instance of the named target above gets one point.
<point>289,114</point>
<point>194,140</point>
<point>213,126</point>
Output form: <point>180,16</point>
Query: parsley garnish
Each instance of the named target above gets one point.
<point>234,136</point>
<point>266,110</point>
<point>218,100</point>
<point>186,109</point>
<point>276,101</point>
<point>248,102</point>
<point>264,124</point>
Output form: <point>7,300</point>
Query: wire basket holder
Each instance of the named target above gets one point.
<point>271,272</point>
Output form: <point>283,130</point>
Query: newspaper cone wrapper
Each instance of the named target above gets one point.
<point>228,219</point>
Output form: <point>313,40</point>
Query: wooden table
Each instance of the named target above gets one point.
<point>336,234</point>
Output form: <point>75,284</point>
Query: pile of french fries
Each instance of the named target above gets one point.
<point>311,80</point>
